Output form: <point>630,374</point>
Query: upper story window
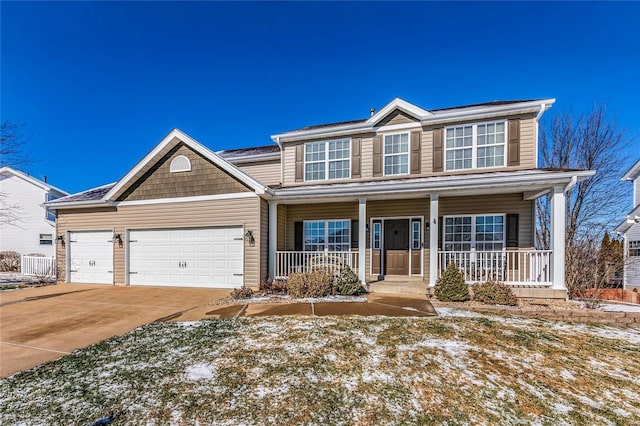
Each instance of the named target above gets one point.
<point>475,146</point>
<point>396,154</point>
<point>48,213</point>
<point>634,248</point>
<point>180,164</point>
<point>327,160</point>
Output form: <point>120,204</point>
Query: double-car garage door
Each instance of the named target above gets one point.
<point>194,257</point>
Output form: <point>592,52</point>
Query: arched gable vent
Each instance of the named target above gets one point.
<point>180,164</point>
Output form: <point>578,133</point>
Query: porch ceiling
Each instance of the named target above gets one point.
<point>533,183</point>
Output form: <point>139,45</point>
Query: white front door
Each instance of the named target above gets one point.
<point>198,257</point>
<point>91,257</point>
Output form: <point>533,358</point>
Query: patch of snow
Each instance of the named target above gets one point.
<point>562,408</point>
<point>610,307</point>
<point>566,374</point>
<point>453,348</point>
<point>621,412</point>
<point>588,401</point>
<point>200,371</point>
<point>453,312</point>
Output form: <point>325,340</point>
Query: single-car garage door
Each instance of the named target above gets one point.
<point>91,257</point>
<point>201,257</point>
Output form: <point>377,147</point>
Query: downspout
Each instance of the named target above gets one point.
<point>571,184</point>
<point>281,160</point>
<point>543,108</point>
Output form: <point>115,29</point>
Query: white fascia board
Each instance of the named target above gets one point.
<point>490,110</point>
<point>37,182</point>
<point>78,204</point>
<point>439,184</point>
<point>402,105</point>
<point>633,172</point>
<point>198,147</point>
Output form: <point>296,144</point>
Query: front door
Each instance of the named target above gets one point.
<point>396,246</point>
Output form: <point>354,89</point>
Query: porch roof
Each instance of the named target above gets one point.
<point>534,183</point>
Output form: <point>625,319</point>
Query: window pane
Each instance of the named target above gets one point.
<point>489,233</point>
<point>491,154</point>
<point>314,236</point>
<point>376,235</point>
<point>339,235</point>
<point>314,171</point>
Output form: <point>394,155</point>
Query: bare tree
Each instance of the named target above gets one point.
<point>12,154</point>
<point>591,141</point>
<point>12,145</point>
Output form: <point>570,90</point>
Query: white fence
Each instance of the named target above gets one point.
<point>38,266</point>
<point>517,267</point>
<point>288,262</point>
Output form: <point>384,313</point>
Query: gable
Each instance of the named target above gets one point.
<point>397,117</point>
<point>156,181</point>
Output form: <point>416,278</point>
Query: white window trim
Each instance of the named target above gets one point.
<point>385,155</point>
<point>473,227</point>
<point>326,160</point>
<point>173,167</point>
<point>411,230</point>
<point>474,144</point>
<point>326,233</point>
<point>631,249</point>
<point>50,243</point>
<point>373,233</point>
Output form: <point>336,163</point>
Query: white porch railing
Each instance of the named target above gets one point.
<point>288,262</point>
<point>513,267</point>
<point>38,266</point>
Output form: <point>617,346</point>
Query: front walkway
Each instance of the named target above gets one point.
<point>391,305</point>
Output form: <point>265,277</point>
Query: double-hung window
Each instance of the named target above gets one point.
<point>48,213</point>
<point>475,146</point>
<point>396,154</point>
<point>474,232</point>
<point>634,248</point>
<point>327,160</point>
<point>327,235</point>
<point>46,239</point>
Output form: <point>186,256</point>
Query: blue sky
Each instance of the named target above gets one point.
<point>99,84</point>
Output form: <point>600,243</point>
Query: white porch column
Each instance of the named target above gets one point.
<point>273,237</point>
<point>558,210</point>
<point>433,240</point>
<point>362,239</point>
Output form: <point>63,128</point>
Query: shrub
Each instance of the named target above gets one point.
<point>494,293</point>
<point>348,283</point>
<point>9,261</point>
<point>317,283</point>
<point>450,287</point>
<point>271,286</point>
<point>243,292</point>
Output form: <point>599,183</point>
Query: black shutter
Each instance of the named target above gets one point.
<point>298,232</point>
<point>440,234</point>
<point>355,234</point>
<point>512,230</point>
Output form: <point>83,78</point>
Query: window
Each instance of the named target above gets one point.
<point>479,232</point>
<point>46,239</point>
<point>327,160</point>
<point>329,235</point>
<point>396,154</point>
<point>475,146</point>
<point>634,248</point>
<point>415,234</point>
<point>48,213</point>
<point>180,164</point>
<point>377,226</point>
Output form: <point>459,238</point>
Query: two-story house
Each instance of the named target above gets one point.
<point>396,196</point>
<point>630,231</point>
<point>26,226</point>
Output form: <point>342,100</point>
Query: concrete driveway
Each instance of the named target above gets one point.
<point>42,324</point>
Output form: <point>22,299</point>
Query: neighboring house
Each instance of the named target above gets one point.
<point>397,196</point>
<point>630,230</point>
<point>26,226</point>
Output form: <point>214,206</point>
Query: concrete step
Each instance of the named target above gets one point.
<point>398,287</point>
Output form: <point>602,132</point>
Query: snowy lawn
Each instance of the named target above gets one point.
<point>460,368</point>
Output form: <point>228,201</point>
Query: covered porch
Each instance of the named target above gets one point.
<point>412,229</point>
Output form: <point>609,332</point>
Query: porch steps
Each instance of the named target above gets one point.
<point>399,286</point>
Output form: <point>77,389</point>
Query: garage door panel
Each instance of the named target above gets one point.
<point>202,257</point>
<point>91,257</point>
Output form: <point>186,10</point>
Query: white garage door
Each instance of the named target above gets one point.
<point>202,257</point>
<point>91,257</point>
